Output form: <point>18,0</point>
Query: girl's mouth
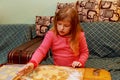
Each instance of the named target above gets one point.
<point>61,32</point>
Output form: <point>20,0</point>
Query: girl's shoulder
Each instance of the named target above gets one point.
<point>50,33</point>
<point>82,33</point>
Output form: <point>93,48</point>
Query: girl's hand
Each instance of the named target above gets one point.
<point>76,64</point>
<point>26,69</point>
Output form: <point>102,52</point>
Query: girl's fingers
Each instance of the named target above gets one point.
<point>26,69</point>
<point>76,64</point>
<point>21,72</point>
<point>79,65</point>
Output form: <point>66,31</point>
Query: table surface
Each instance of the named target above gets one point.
<point>43,72</point>
<point>52,72</point>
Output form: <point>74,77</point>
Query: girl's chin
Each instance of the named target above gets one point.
<point>63,34</point>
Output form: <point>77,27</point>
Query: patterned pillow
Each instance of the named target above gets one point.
<point>43,24</point>
<point>109,11</point>
<point>62,5</point>
<point>88,10</point>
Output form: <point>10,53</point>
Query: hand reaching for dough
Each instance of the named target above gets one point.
<point>26,69</point>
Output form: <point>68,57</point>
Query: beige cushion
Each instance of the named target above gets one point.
<point>109,11</point>
<point>88,10</point>
<point>43,24</point>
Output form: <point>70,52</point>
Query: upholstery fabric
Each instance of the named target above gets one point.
<point>103,38</point>
<point>12,35</point>
<point>107,63</point>
<point>42,24</point>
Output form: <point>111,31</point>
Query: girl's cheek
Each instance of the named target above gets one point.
<point>59,27</point>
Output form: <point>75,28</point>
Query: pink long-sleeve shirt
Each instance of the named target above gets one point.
<point>61,51</point>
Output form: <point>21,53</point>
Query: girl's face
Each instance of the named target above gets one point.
<point>63,27</point>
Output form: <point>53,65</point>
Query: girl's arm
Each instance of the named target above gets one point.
<point>84,52</point>
<point>39,54</point>
<point>42,50</point>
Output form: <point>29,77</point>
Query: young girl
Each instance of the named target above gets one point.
<point>66,40</point>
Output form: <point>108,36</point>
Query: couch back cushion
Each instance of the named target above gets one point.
<point>88,10</point>
<point>43,24</point>
<point>95,10</point>
<point>61,5</point>
<point>109,11</point>
<point>103,38</point>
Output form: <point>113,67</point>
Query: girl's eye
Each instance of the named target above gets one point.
<point>67,25</point>
<point>59,23</point>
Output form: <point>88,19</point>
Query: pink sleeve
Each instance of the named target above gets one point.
<point>84,52</point>
<point>42,50</point>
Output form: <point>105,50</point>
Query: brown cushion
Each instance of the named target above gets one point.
<point>42,24</point>
<point>109,11</point>
<point>62,5</point>
<point>88,10</point>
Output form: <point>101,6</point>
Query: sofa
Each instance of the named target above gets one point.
<point>102,38</point>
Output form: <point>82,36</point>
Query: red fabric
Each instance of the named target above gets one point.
<point>61,51</point>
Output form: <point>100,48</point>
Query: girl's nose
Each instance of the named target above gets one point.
<point>61,27</point>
